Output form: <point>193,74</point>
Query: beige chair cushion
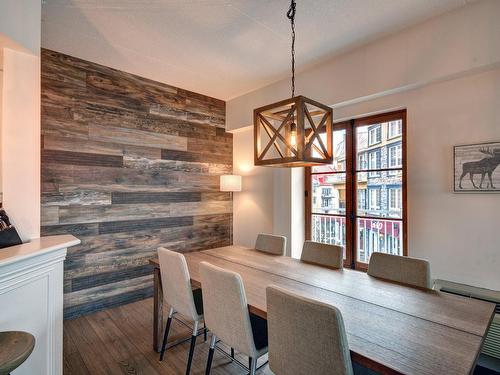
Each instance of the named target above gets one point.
<point>306,337</point>
<point>323,254</point>
<point>176,283</point>
<point>226,309</point>
<point>405,270</point>
<point>271,244</point>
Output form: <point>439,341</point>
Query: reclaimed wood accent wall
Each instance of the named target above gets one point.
<point>128,164</point>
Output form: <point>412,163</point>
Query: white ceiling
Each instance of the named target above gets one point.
<point>221,48</point>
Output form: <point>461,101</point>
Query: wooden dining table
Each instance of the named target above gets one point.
<point>391,328</point>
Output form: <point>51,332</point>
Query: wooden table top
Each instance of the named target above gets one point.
<point>404,330</point>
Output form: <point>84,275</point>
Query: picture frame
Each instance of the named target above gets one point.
<point>476,168</point>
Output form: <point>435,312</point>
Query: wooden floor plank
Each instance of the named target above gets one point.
<point>118,345</point>
<point>92,350</point>
<point>118,341</point>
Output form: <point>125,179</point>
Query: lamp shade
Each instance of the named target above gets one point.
<point>230,182</point>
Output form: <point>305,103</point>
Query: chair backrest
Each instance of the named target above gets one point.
<point>323,254</point>
<point>176,283</point>
<point>405,270</point>
<point>305,336</point>
<point>225,308</point>
<point>271,244</point>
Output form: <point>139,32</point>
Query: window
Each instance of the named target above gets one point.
<point>358,201</point>
<point>395,199</point>
<point>374,135</point>
<point>361,199</point>
<point>375,163</point>
<point>395,156</point>
<point>395,128</point>
<point>374,199</point>
<point>362,162</point>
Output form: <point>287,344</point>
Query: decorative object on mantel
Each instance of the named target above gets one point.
<point>230,183</point>
<point>293,127</point>
<point>8,234</point>
<point>476,168</point>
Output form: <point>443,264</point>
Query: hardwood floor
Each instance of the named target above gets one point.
<point>118,341</point>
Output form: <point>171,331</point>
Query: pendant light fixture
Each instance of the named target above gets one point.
<point>294,132</point>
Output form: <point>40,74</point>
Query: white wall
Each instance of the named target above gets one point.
<point>265,203</point>
<point>457,233</point>
<point>446,73</point>
<point>21,141</point>
<point>1,100</point>
<point>20,22</point>
<point>253,206</point>
<point>444,47</point>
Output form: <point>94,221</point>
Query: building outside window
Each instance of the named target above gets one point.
<point>363,162</point>
<point>374,162</point>
<point>395,198</point>
<point>395,128</point>
<point>374,199</point>
<point>374,135</point>
<point>361,199</point>
<point>395,156</point>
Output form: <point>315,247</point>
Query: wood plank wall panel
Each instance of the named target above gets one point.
<point>128,164</point>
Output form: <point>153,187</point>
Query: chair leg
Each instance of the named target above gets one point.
<point>211,354</point>
<point>191,348</point>
<point>232,353</point>
<point>205,331</point>
<point>165,336</point>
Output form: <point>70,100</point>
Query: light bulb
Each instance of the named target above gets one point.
<point>293,134</point>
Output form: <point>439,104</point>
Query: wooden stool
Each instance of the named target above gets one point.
<point>15,348</point>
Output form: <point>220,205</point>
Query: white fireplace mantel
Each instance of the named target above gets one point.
<point>31,298</point>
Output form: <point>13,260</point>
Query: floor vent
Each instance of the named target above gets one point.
<point>492,343</point>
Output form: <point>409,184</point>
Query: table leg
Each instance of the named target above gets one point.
<point>157,311</point>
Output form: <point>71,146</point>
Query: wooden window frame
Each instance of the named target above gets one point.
<point>351,184</point>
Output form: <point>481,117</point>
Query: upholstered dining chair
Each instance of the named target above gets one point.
<point>227,315</point>
<point>270,243</point>
<point>178,294</point>
<point>305,336</point>
<point>323,254</point>
<point>410,271</point>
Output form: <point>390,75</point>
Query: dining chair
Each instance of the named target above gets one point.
<point>405,270</point>
<point>179,295</point>
<point>227,315</point>
<point>270,243</point>
<point>323,254</point>
<point>305,336</point>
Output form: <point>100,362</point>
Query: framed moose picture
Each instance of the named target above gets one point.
<point>477,168</point>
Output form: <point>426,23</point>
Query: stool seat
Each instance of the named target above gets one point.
<point>16,347</point>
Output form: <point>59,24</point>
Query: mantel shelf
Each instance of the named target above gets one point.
<point>36,247</point>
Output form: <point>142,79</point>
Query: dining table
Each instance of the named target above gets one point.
<point>391,328</point>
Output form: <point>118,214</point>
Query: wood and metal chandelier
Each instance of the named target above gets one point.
<point>294,132</point>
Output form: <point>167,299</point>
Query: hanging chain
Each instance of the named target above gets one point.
<point>291,16</point>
